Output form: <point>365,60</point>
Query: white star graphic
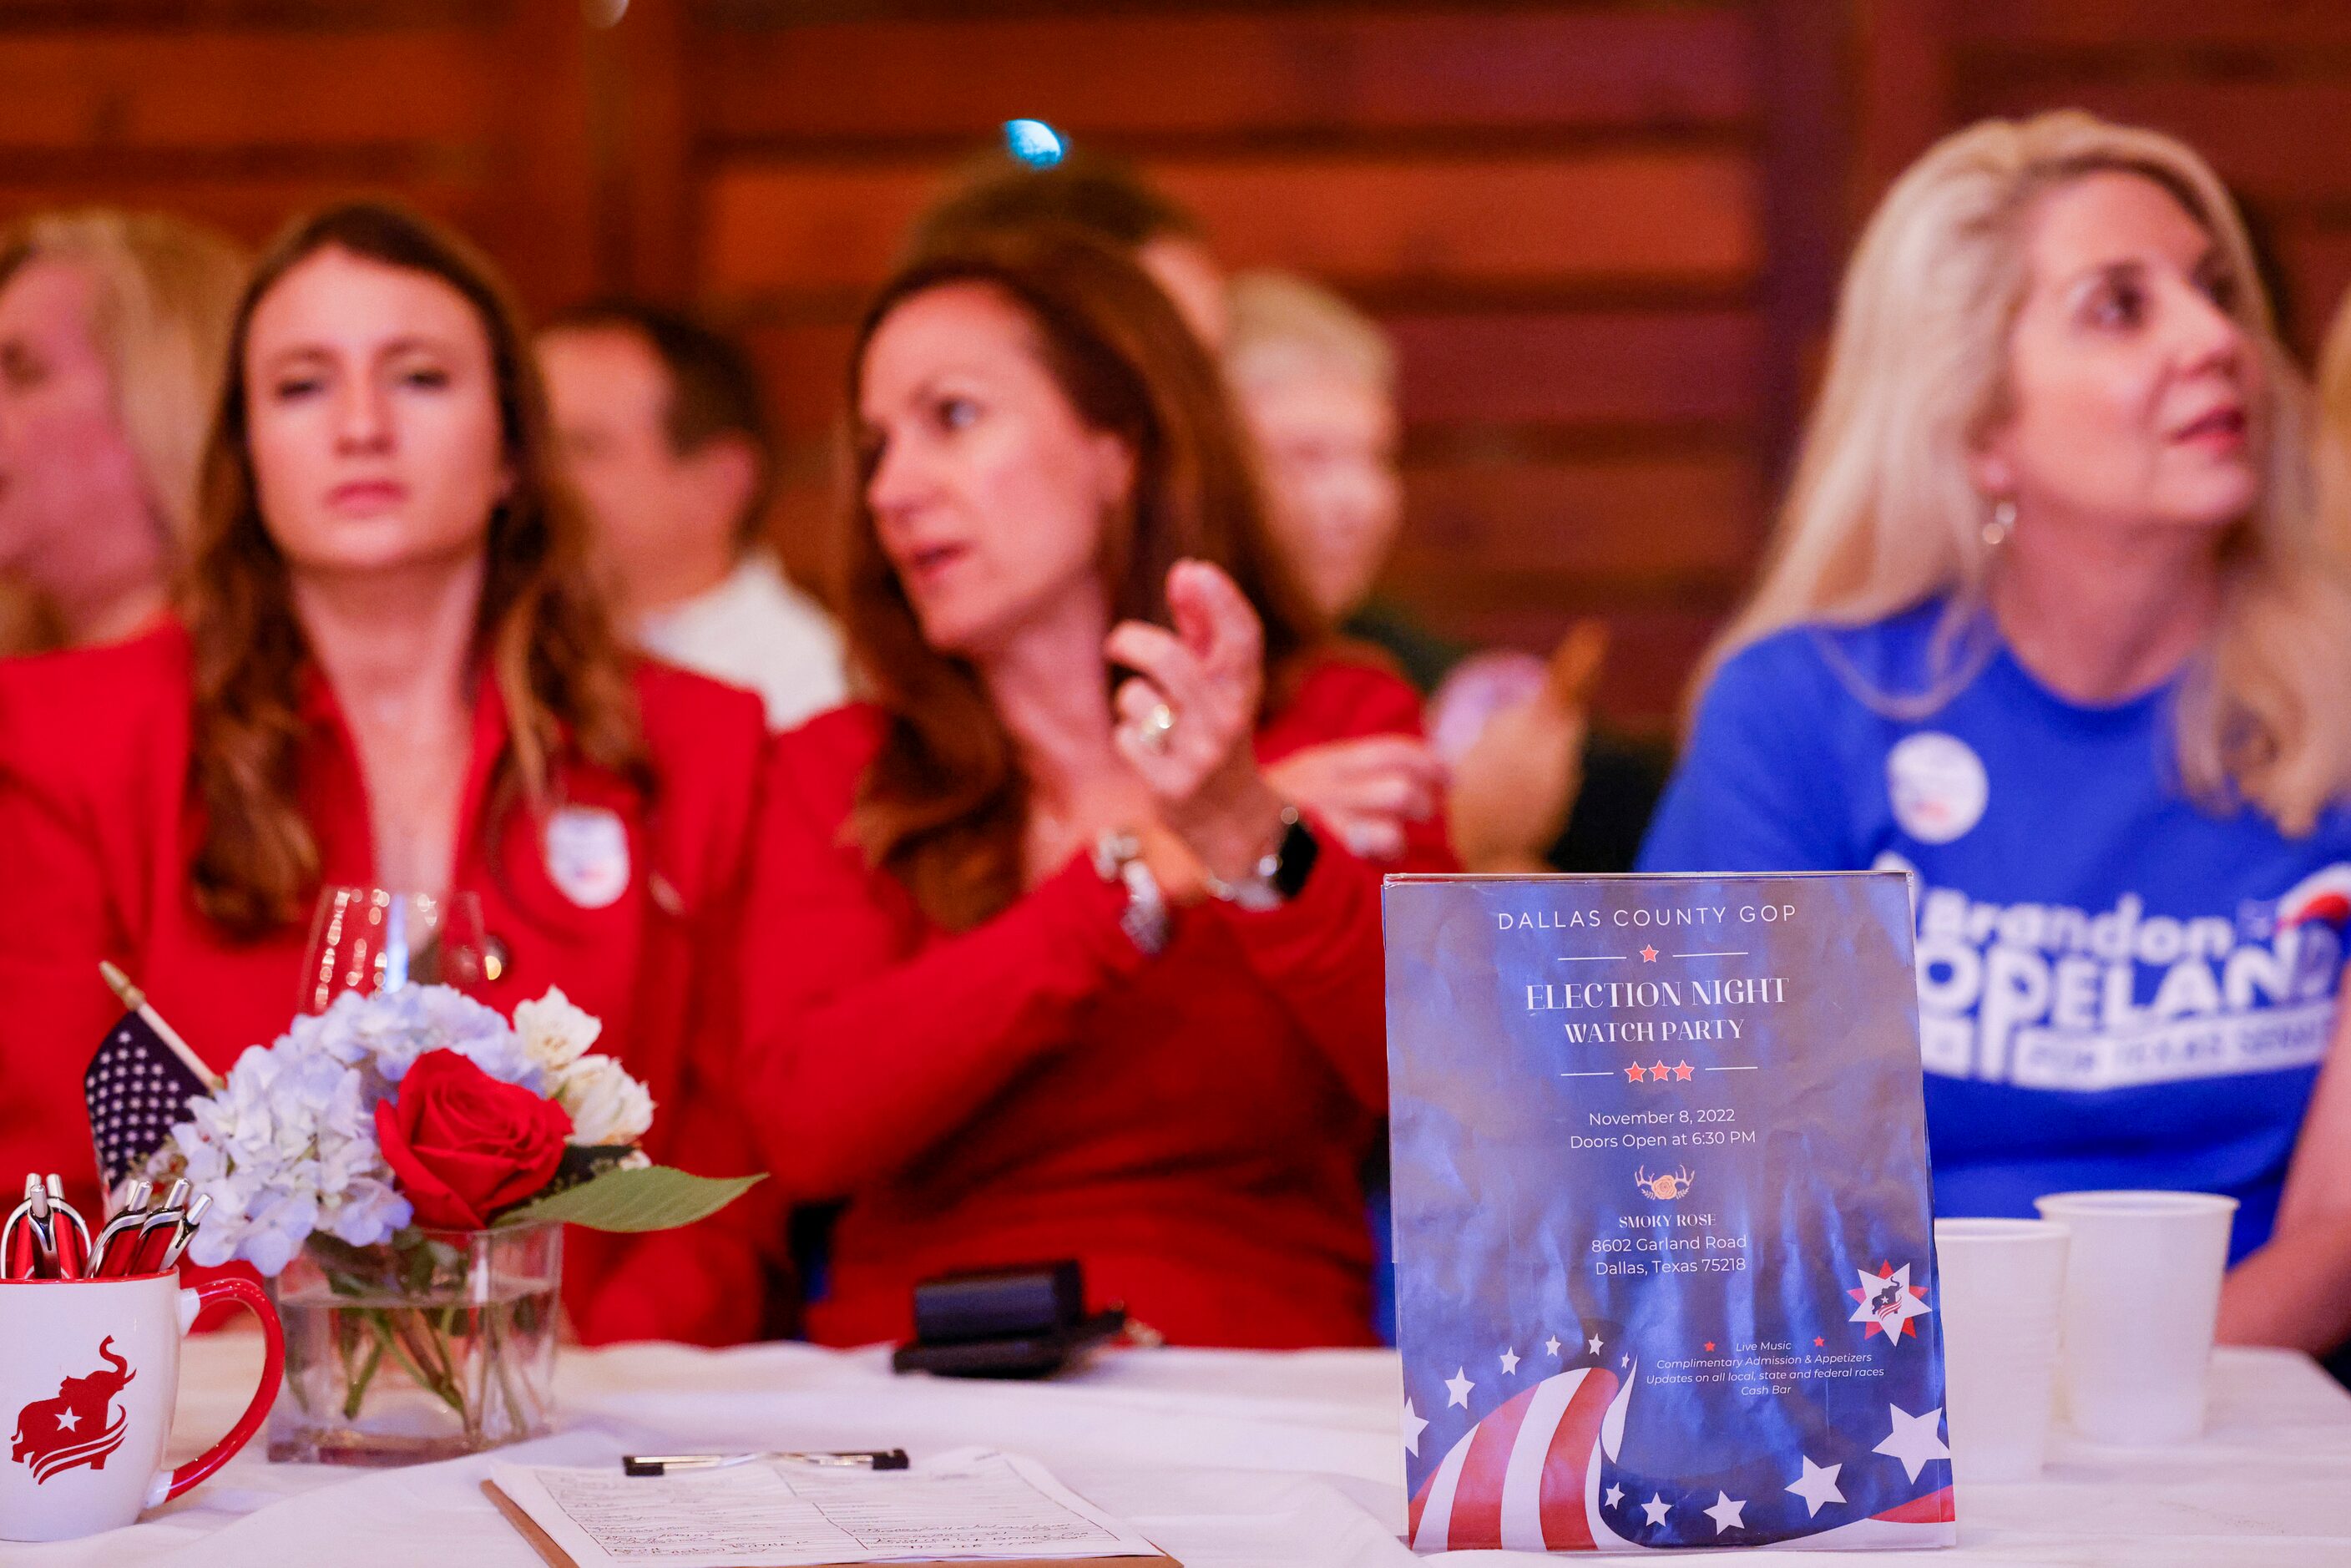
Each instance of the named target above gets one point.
<point>1725,1512</point>
<point>1913,1439</point>
<point>1415,1424</point>
<point>1459,1386</point>
<point>1595,1342</point>
<point>1624,1360</point>
<point>1615,1494</point>
<point>1654,1511</point>
<point>1551,1345</point>
<point>67,1420</point>
<point>1816,1486</point>
<point>1509,1363</point>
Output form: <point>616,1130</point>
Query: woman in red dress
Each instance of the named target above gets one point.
<point>388,668</point>
<point>1040,966</point>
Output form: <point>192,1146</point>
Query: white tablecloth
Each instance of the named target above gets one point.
<point>1225,1458</point>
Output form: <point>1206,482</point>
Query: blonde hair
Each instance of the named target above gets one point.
<point>1283,326</point>
<point>166,290</point>
<point>1884,515</point>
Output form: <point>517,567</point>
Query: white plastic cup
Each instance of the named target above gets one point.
<point>2002,1288</point>
<point>2142,1296</point>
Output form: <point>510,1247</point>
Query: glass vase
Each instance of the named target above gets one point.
<point>432,1344</point>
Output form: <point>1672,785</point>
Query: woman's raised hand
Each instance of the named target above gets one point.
<point>1187,718</point>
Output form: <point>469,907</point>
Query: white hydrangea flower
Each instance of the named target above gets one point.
<point>502,1056</point>
<point>386,1032</point>
<point>287,1147</point>
<point>554,1031</point>
<point>434,1017</point>
<point>607,1105</point>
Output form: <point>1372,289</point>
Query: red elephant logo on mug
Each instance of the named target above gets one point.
<point>73,1429</point>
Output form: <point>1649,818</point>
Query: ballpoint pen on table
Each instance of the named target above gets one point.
<point>865,1459</point>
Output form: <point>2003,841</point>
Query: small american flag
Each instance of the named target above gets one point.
<point>140,1082</point>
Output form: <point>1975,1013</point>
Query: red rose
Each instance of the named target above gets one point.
<point>464,1144</point>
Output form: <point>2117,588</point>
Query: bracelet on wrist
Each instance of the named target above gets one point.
<point>1118,857</point>
<point>1278,874</point>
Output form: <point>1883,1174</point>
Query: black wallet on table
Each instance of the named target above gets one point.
<point>1004,1323</point>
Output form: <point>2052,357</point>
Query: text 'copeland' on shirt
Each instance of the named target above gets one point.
<point>2051,996</point>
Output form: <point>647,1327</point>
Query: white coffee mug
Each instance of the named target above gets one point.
<point>88,1385</point>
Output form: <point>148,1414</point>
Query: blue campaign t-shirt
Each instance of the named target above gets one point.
<point>2116,988</point>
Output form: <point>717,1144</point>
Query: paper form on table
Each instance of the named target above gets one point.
<point>973,1505</point>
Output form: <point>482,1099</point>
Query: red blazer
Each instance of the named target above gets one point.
<point>1191,1126</point>
<point>97,832</point>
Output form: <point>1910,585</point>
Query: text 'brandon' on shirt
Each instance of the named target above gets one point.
<point>2116,987</point>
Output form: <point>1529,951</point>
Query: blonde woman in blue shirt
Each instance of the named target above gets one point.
<point>2051,621</point>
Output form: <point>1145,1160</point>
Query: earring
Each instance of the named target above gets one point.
<point>2000,525</point>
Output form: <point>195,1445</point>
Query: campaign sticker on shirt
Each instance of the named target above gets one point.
<point>587,855</point>
<point>1939,786</point>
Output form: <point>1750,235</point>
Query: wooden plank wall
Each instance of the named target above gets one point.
<point>243,113</point>
<point>1605,233</point>
<point>2262,87</point>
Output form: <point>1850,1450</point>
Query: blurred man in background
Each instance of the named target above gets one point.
<point>1315,379</point>
<point>1528,786</point>
<point>113,336</point>
<point>666,436</point>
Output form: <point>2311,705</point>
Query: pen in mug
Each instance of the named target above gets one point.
<point>197,1208</point>
<point>111,1251</point>
<point>18,1249</point>
<point>115,1244</point>
<point>157,1229</point>
<point>44,1237</point>
<point>126,1232</point>
<point>69,1236</point>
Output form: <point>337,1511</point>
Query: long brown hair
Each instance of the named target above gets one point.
<point>541,629</point>
<point>943,805</point>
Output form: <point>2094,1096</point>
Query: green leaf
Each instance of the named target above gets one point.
<point>649,1197</point>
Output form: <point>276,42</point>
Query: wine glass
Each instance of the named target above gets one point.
<point>369,939</point>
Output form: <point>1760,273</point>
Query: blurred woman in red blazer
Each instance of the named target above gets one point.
<point>1040,966</point>
<point>388,668</point>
